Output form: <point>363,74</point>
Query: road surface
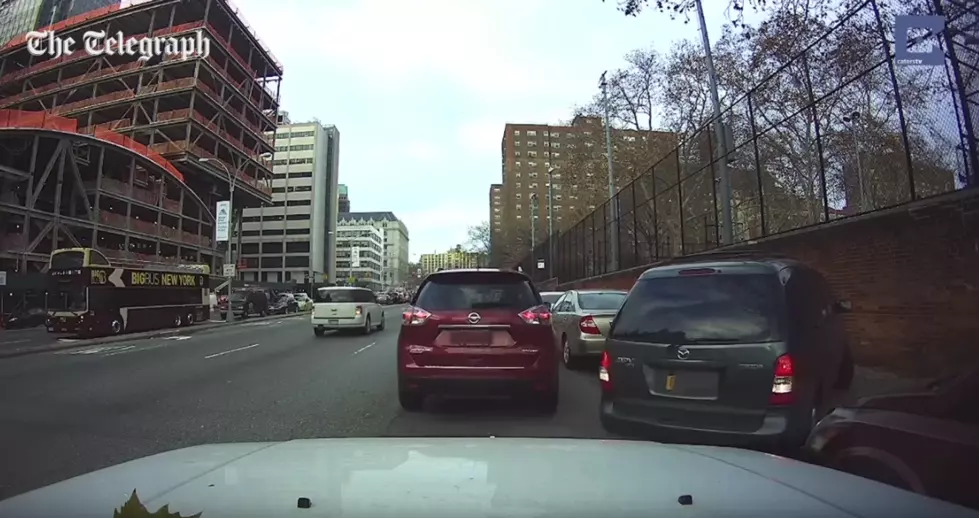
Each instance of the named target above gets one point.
<point>68,412</point>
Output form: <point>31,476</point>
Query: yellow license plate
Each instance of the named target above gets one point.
<point>670,382</point>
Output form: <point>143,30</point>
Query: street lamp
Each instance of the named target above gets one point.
<point>851,121</point>
<point>232,180</point>
<point>612,202</point>
<point>550,222</point>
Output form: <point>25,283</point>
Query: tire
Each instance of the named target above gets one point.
<point>367,326</point>
<point>844,377</point>
<point>318,331</point>
<point>189,319</point>
<point>381,327</point>
<point>178,320</point>
<point>116,326</point>
<point>569,360</point>
<point>411,401</point>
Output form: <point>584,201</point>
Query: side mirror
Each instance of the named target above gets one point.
<point>549,306</point>
<point>843,306</point>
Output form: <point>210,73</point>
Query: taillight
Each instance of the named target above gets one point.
<point>359,311</point>
<point>414,317</point>
<point>604,372</point>
<point>536,315</point>
<point>782,381</point>
<point>588,326</point>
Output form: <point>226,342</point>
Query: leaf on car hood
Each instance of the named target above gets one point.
<point>133,508</point>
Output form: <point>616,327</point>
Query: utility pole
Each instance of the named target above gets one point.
<point>232,180</point>
<point>550,223</point>
<point>533,226</point>
<point>613,204</point>
<point>719,134</point>
<point>851,120</point>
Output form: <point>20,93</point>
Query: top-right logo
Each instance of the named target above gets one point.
<point>928,55</point>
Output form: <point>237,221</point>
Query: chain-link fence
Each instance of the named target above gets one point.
<point>842,128</point>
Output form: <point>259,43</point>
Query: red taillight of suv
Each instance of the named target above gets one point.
<point>414,317</point>
<point>359,310</point>
<point>782,382</point>
<point>604,372</point>
<point>536,315</point>
<point>588,326</point>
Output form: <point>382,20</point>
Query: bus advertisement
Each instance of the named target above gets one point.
<point>95,299</point>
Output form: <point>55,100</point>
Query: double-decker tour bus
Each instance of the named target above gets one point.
<point>91,296</point>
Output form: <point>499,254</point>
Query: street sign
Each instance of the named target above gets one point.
<point>540,264</point>
<point>355,257</point>
<point>3,278</point>
<point>222,221</point>
<point>229,270</point>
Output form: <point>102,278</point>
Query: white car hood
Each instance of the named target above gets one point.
<point>480,477</point>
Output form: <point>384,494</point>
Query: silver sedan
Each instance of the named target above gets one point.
<point>581,320</point>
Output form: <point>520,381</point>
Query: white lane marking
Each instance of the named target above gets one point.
<point>14,342</point>
<point>95,350</point>
<point>215,355</point>
<point>121,350</point>
<point>177,338</point>
<point>364,348</point>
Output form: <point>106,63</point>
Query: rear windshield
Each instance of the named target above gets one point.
<point>477,291</point>
<point>344,296</point>
<point>608,300</point>
<point>550,298</point>
<point>702,309</point>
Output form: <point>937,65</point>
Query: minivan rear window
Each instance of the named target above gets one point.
<point>703,309</point>
<point>341,295</point>
<point>477,291</point>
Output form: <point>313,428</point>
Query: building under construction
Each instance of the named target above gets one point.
<point>130,156</point>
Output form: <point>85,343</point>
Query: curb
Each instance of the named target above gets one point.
<point>60,346</point>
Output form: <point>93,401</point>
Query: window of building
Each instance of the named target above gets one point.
<point>298,203</point>
<point>297,217</point>
<point>297,247</point>
<point>519,206</point>
<point>275,232</point>
<point>517,143</point>
<point>556,155</point>
<point>519,195</point>
<point>297,231</point>
<point>532,164</point>
<point>517,174</point>
<point>518,185</point>
<point>531,133</point>
<point>516,133</point>
<point>555,145</point>
<point>555,134</point>
<point>303,174</point>
<point>532,154</point>
<point>517,163</point>
<point>532,175</point>
<point>531,143</point>
<point>297,161</point>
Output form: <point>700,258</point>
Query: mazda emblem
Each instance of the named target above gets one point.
<point>474,318</point>
<point>683,353</point>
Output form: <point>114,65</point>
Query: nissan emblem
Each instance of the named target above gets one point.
<point>473,318</point>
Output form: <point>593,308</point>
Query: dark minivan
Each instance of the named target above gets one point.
<point>734,352</point>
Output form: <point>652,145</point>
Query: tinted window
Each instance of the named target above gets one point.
<point>67,260</point>
<point>706,309</point>
<point>550,298</point>
<point>342,295</point>
<point>477,291</point>
<point>611,300</point>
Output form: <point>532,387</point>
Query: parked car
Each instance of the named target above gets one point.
<point>384,298</point>
<point>926,442</point>
<point>285,303</point>
<point>345,308</point>
<point>550,297</point>
<point>581,322</point>
<point>730,351</point>
<point>477,332</point>
<point>24,318</point>
<point>244,303</point>
<point>305,302</point>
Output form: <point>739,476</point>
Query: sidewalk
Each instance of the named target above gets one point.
<point>71,343</point>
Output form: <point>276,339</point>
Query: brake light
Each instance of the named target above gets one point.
<point>536,315</point>
<point>415,317</point>
<point>588,326</point>
<point>604,372</point>
<point>698,271</point>
<point>359,311</point>
<point>782,381</point>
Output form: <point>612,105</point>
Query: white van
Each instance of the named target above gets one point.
<point>346,307</point>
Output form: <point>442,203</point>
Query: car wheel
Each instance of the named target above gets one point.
<point>189,319</point>
<point>411,401</point>
<point>318,331</point>
<point>116,326</point>
<point>367,326</point>
<point>381,327</point>
<point>569,360</point>
<point>177,321</point>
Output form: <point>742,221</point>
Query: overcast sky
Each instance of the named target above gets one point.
<point>420,90</point>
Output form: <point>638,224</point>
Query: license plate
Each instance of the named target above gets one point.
<point>334,321</point>
<point>471,338</point>
<point>670,382</point>
<point>696,384</point>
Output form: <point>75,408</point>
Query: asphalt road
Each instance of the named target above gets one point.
<point>69,412</point>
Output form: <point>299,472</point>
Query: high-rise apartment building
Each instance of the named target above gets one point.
<point>573,158</point>
<point>293,238</point>
<point>360,246</point>
<point>495,221</point>
<point>449,260</point>
<point>395,269</point>
<point>343,200</point>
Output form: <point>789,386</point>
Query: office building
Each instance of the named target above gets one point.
<point>343,201</point>
<point>136,155</point>
<point>360,248</point>
<point>529,151</point>
<point>395,268</point>
<point>448,260</point>
<point>292,239</point>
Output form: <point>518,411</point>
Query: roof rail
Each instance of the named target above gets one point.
<point>720,255</point>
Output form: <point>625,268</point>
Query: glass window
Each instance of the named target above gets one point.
<point>477,291</point>
<point>596,301</point>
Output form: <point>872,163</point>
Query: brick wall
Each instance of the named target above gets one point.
<point>911,273</point>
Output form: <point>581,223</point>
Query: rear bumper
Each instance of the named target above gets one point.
<point>590,345</point>
<point>781,428</point>
<point>337,323</point>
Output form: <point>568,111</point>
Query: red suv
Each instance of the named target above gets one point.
<point>478,333</point>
